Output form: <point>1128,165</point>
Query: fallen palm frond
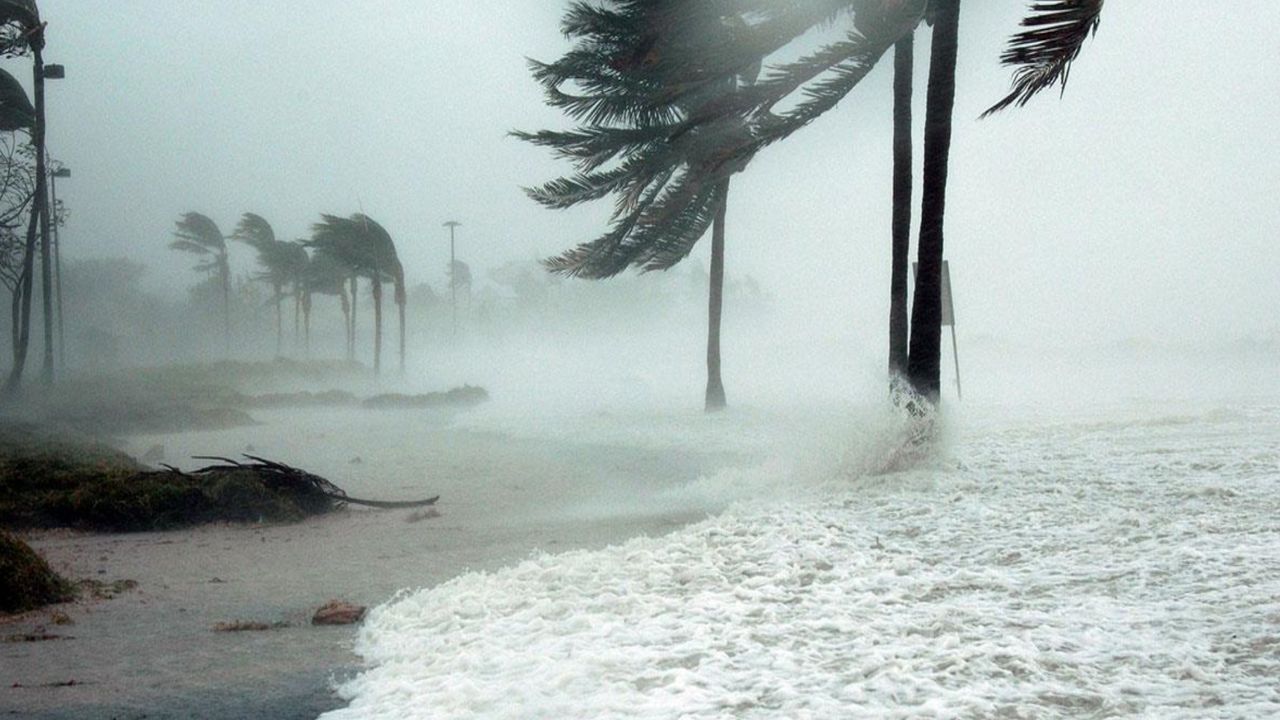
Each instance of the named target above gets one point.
<point>278,477</point>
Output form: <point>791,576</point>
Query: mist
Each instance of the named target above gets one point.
<point>1107,409</point>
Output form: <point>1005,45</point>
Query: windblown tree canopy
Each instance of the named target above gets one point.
<point>364,246</point>
<point>666,119</point>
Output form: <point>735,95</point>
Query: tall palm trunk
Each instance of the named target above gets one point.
<point>346,317</point>
<point>903,67</point>
<point>715,399</point>
<point>306,324</point>
<point>923,363</point>
<point>297,319</point>
<point>42,209</point>
<point>351,336</point>
<point>377,324</point>
<point>278,288</point>
<point>24,285</point>
<point>224,270</point>
<point>400,303</point>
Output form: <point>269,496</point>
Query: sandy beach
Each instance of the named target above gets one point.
<point>508,488</point>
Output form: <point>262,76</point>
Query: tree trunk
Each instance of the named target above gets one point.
<point>297,317</point>
<point>715,399</point>
<point>377,326</point>
<point>903,67</point>
<point>279,321</point>
<point>926,312</point>
<point>42,208</point>
<point>224,270</point>
<point>351,337</point>
<point>346,317</point>
<point>15,316</point>
<point>24,326</point>
<point>306,324</point>
<point>400,302</point>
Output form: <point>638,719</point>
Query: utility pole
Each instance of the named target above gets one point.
<point>453,281</point>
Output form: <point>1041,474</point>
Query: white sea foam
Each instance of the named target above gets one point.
<point>1123,567</point>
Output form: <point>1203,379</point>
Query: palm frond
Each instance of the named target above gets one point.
<point>199,229</point>
<point>1042,54</point>
<point>254,231</point>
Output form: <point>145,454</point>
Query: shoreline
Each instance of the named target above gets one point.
<point>152,651</point>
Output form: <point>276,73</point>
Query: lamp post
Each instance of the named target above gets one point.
<point>453,284</point>
<point>61,172</point>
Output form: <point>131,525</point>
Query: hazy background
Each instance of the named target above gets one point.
<point>1139,211</point>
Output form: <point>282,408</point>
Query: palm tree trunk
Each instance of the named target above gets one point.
<point>377,325</point>
<point>42,208</point>
<point>715,399</point>
<point>924,360</point>
<point>306,324</point>
<point>351,336</point>
<point>279,321</point>
<point>28,271</point>
<point>225,271</point>
<point>297,318</point>
<point>346,317</point>
<point>903,67</point>
<point>400,303</point>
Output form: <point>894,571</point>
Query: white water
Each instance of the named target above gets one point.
<point>1117,563</point>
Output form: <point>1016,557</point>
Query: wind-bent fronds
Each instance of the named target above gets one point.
<point>1043,53</point>
<point>671,103</point>
<point>199,235</point>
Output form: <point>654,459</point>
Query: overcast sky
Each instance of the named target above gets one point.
<point>1143,203</point>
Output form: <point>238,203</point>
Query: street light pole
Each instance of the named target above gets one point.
<point>61,172</point>
<point>453,280</point>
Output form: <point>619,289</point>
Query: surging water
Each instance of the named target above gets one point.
<point>1128,565</point>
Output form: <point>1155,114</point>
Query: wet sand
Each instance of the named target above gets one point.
<point>152,651</point>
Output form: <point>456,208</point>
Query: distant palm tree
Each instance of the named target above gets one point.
<point>325,274</point>
<point>199,235</point>
<point>362,245</point>
<point>276,258</point>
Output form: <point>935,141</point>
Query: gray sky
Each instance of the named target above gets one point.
<point>1144,202</point>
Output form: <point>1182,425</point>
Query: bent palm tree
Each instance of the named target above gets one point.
<point>669,188</point>
<point>365,247</point>
<point>274,257</point>
<point>325,274</point>
<point>199,235</point>
<point>666,180</point>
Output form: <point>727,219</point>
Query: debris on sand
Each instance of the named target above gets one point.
<point>249,626</point>
<point>338,612</point>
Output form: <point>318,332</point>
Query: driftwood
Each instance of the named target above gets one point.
<point>279,476</point>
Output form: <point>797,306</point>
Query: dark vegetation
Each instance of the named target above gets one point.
<point>26,580</point>
<point>50,481</point>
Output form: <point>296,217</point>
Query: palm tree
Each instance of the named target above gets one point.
<point>362,245</point>
<point>386,267</point>
<point>660,148</point>
<point>282,263</point>
<point>925,352</point>
<point>325,274</point>
<point>669,190</point>
<point>199,235</point>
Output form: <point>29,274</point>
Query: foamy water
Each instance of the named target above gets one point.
<point>1119,563</point>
